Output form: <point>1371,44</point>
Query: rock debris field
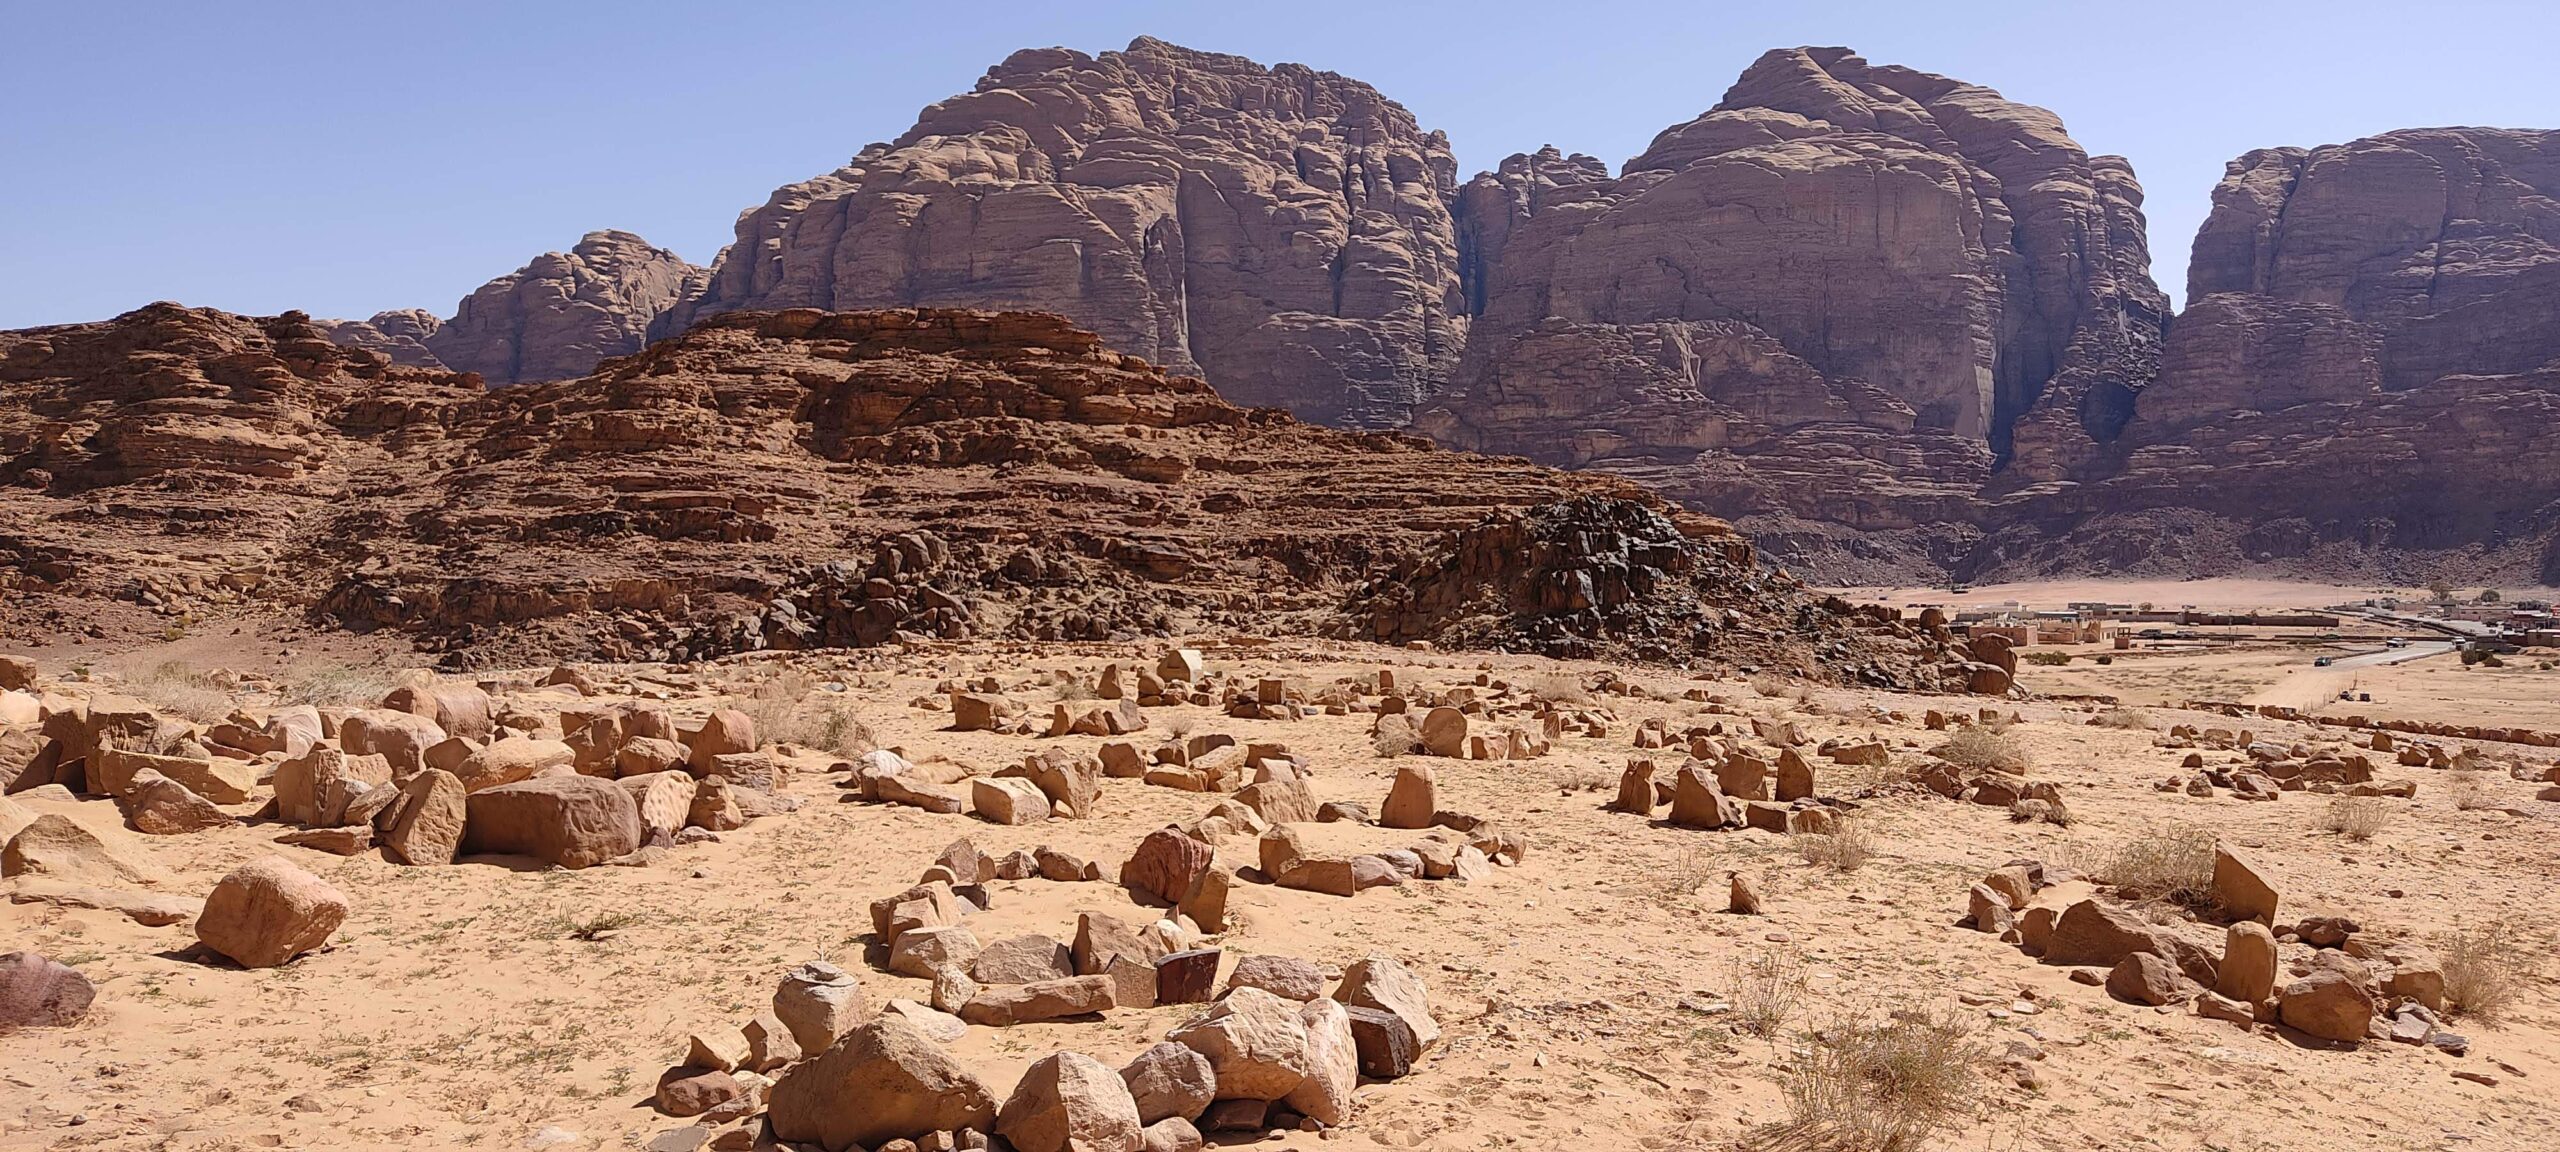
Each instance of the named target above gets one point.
<point>1124,896</point>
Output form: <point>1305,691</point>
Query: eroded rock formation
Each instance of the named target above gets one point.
<point>400,334</point>
<point>564,312</point>
<point>1849,293</point>
<point>802,478</point>
<point>2369,364</point>
<point>1285,232</point>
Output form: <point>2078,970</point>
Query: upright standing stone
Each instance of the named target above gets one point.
<point>1412,799</point>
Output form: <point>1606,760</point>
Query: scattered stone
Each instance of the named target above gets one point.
<point>1412,799</point>
<point>1008,800</point>
<point>1187,977</point>
<point>1169,1080</point>
<point>1024,959</point>
<point>571,821</point>
<point>1070,1102</point>
<point>691,1091</point>
<point>2327,1004</point>
<point>36,992</point>
<point>1287,977</point>
<point>1333,1065</point>
<point>818,1002</point>
<point>1004,1006</point>
<point>267,912</point>
<point>882,1081</point>
<point>2238,890</point>
<point>1255,1043</point>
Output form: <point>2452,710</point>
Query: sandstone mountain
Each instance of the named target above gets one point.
<point>802,478</point>
<point>1847,293</point>
<point>564,312</point>
<point>2369,366</point>
<point>400,334</point>
<point>1284,231</point>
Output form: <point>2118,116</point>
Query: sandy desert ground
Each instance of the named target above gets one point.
<point>1589,994</point>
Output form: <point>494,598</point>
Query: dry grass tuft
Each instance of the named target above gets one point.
<point>2470,793</point>
<point>1765,989</point>
<point>1846,849</point>
<point>1585,778</point>
<point>1770,684</point>
<point>2484,969</point>
<point>785,711</point>
<point>178,687</point>
<point>1560,687</point>
<point>1877,1087</point>
<point>2357,818</point>
<point>336,685</point>
<point>2130,719</point>
<point>2172,863</point>
<point>1985,748</point>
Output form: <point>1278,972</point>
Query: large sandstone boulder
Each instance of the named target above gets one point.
<point>36,992</point>
<point>2328,1004</point>
<point>1333,1064</point>
<point>267,912</point>
<point>1255,1042</point>
<point>571,821</point>
<point>57,847</point>
<point>463,710</point>
<point>427,821</point>
<point>1170,1080</point>
<point>1070,1102</point>
<point>883,1081</point>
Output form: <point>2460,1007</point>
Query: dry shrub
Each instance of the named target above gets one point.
<point>1877,1087</point>
<point>1764,989</point>
<point>2172,862</point>
<point>336,685</point>
<point>2469,792</point>
<point>2357,818</point>
<point>1673,886</point>
<point>2048,811</point>
<point>2132,719</point>
<point>1561,687</point>
<point>1069,690</point>
<point>1179,728</point>
<point>2484,969</point>
<point>1984,748</point>
<point>1846,848</point>
<point>1770,684</point>
<point>785,711</point>
<point>179,687</point>
<point>1585,778</point>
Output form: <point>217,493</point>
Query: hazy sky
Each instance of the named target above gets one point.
<point>346,158</point>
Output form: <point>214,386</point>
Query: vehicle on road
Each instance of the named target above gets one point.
<point>2324,661</point>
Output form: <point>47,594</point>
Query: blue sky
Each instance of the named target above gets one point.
<point>346,158</point>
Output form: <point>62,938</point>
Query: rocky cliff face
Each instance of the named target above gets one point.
<point>2370,360</point>
<point>400,334</point>
<point>1848,292</point>
<point>1285,232</point>
<point>563,312</point>
<point>803,478</point>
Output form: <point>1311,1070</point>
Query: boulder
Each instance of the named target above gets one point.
<point>1170,1080</point>
<point>1070,1102</point>
<point>1022,960</point>
<point>400,738</point>
<point>36,992</point>
<point>1698,801</point>
<point>818,1003</point>
<point>1387,985</point>
<point>2098,934</point>
<point>664,801</point>
<point>1387,1047</point>
<point>55,847</point>
<point>726,732</point>
<point>1333,1065</point>
<point>1635,789</point>
<point>1255,1042</point>
<point>267,912</point>
<point>2238,890</point>
<point>2327,1004</point>
<point>690,1091</point>
<point>513,759</point>
<point>2248,969</point>
<point>426,825</point>
<point>2144,978</point>
<point>1167,866</point>
<point>1003,1006</point>
<point>1286,977</point>
<point>571,821</point>
<point>1008,800</point>
<point>923,952</point>
<point>1412,799</point>
<point>459,709</point>
<point>1444,732</point>
<point>882,1081</point>
<point>159,806</point>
